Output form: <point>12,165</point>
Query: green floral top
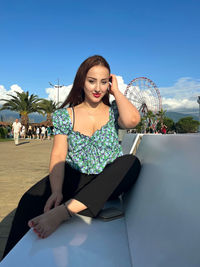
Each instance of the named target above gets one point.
<point>89,154</point>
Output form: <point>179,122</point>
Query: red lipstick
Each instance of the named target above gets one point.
<point>96,95</point>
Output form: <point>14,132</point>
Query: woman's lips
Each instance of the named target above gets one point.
<point>96,95</point>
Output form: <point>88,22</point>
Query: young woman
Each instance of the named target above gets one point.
<point>87,166</point>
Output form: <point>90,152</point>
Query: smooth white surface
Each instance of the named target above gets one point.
<point>82,241</point>
<point>129,142</point>
<point>163,209</point>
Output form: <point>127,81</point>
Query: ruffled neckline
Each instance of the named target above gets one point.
<point>98,130</point>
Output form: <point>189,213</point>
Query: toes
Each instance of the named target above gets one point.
<point>33,222</point>
<point>45,234</point>
<point>38,228</point>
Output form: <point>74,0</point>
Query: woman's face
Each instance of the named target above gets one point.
<point>96,83</point>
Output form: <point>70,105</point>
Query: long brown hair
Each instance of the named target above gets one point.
<point>77,95</point>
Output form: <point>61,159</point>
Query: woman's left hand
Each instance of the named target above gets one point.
<point>113,87</point>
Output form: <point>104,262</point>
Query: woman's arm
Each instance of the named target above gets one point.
<point>56,170</point>
<point>57,162</point>
<point>129,116</point>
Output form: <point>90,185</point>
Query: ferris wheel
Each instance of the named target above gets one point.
<point>144,94</point>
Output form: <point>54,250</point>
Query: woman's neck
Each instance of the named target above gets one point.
<point>92,106</point>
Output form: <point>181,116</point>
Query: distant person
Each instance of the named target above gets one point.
<point>9,135</point>
<point>43,132</point>
<point>29,131</point>
<point>16,128</point>
<point>34,132</point>
<point>23,132</point>
<point>38,132</point>
<point>48,132</point>
<point>164,129</point>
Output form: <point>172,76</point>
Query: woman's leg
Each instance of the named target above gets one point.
<point>31,204</point>
<point>33,201</point>
<point>116,178</point>
<point>46,223</point>
<point>130,178</point>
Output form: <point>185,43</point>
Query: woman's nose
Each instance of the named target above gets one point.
<point>97,88</point>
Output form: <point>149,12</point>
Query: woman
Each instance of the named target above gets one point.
<point>38,132</point>
<point>48,132</point>
<point>29,131</point>
<point>87,166</point>
<point>34,132</point>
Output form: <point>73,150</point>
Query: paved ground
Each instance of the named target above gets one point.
<point>20,167</point>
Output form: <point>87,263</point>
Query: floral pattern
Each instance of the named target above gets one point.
<point>88,154</point>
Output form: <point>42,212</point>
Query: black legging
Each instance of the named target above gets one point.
<point>92,190</point>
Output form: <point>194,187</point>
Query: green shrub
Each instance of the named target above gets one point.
<point>3,132</point>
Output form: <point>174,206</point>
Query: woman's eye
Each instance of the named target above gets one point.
<point>91,81</point>
<point>104,82</point>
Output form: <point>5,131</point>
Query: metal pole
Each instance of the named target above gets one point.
<point>58,90</point>
<point>57,87</point>
<point>198,101</point>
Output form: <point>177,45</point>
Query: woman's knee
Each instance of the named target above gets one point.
<point>37,193</point>
<point>131,160</point>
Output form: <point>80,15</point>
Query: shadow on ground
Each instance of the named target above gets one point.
<point>5,226</point>
<point>22,143</point>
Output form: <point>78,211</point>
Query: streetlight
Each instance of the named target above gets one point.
<point>57,86</point>
<point>198,101</point>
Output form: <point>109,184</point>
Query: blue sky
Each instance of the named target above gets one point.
<point>42,40</point>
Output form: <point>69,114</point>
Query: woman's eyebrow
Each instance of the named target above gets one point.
<point>96,79</point>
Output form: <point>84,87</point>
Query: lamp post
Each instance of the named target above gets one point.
<point>56,86</point>
<point>198,101</point>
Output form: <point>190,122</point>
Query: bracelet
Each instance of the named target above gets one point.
<point>69,213</point>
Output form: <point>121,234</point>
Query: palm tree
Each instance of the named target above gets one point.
<point>161,115</point>
<point>48,107</point>
<point>23,104</point>
<point>150,117</point>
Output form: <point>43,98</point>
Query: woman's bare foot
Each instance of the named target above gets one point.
<point>47,223</point>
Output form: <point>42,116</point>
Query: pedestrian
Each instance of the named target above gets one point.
<point>29,131</point>
<point>38,132</point>
<point>87,166</point>
<point>33,132</point>
<point>23,130</point>
<point>163,129</point>
<point>16,128</point>
<point>43,132</point>
<point>48,132</point>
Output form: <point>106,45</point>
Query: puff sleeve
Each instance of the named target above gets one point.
<point>61,122</point>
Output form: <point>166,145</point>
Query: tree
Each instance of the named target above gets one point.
<point>168,122</point>
<point>161,115</point>
<point>140,128</point>
<point>48,107</point>
<point>150,118</point>
<point>187,125</point>
<point>23,104</point>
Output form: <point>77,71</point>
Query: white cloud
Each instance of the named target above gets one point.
<point>63,93</point>
<point>182,95</point>
<point>4,93</point>
<point>179,104</point>
<point>185,87</point>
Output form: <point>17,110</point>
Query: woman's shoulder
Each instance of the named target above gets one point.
<point>61,118</point>
<point>60,111</point>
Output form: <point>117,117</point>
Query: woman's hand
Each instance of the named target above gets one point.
<point>113,88</point>
<point>53,201</point>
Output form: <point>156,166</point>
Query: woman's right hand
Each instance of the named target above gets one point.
<point>53,201</point>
